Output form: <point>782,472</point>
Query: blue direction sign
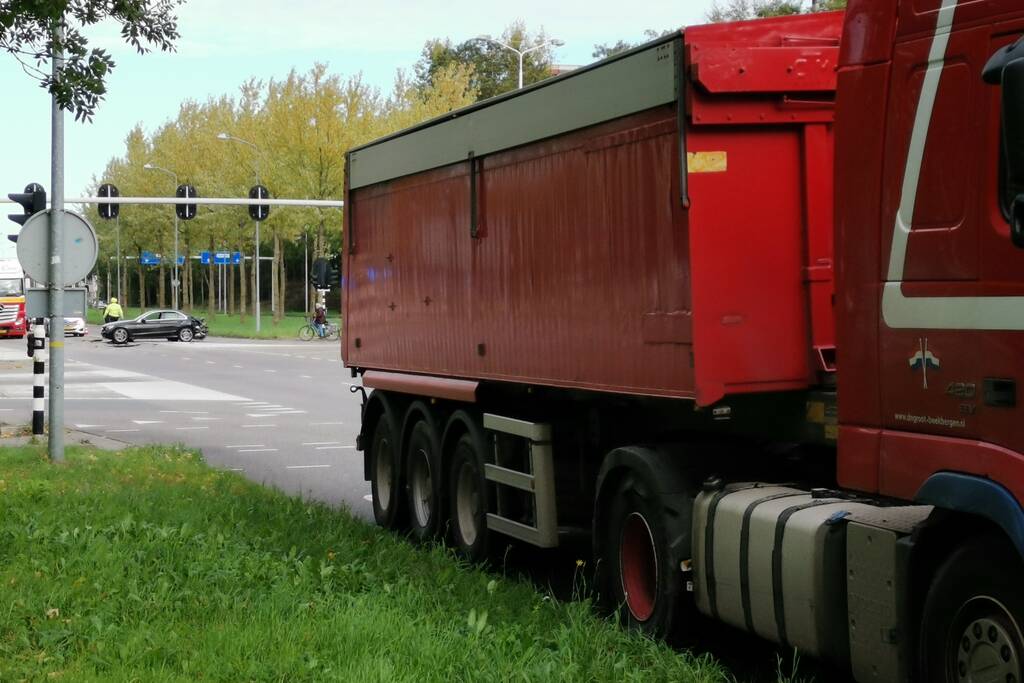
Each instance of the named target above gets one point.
<point>220,258</point>
<point>148,258</point>
<point>181,260</point>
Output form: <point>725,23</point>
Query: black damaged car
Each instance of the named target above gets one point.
<point>163,324</point>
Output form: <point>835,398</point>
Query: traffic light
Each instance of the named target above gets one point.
<point>109,211</point>
<point>318,273</point>
<point>325,273</point>
<point>32,200</point>
<point>259,212</point>
<point>186,212</point>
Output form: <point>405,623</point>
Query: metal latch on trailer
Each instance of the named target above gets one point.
<point>539,482</point>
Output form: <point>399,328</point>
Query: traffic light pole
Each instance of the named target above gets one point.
<point>56,312</point>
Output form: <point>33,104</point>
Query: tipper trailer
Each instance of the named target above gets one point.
<point>745,303</point>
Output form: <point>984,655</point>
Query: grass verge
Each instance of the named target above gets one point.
<point>149,565</point>
<point>224,325</point>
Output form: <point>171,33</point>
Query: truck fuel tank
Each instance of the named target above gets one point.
<point>771,559</point>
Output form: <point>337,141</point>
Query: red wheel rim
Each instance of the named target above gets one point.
<point>638,565</point>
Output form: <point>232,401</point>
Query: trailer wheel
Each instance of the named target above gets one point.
<point>422,484</point>
<point>468,494</point>
<point>385,482</point>
<point>971,627</point>
<point>643,582</point>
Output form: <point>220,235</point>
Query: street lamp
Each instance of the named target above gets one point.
<point>174,280</point>
<point>256,172</point>
<point>521,53</point>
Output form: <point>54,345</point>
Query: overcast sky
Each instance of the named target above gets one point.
<point>222,45</point>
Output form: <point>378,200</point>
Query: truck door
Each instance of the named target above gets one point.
<point>953,302</point>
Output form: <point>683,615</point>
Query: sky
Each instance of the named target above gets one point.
<point>222,45</point>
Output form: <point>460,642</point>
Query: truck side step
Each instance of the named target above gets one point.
<point>538,482</point>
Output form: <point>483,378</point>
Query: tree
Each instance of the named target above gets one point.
<point>602,51</point>
<point>739,10</point>
<point>494,69</point>
<point>27,31</point>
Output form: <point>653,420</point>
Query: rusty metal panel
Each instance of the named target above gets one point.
<point>580,239</point>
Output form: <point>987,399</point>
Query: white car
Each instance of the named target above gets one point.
<point>75,327</point>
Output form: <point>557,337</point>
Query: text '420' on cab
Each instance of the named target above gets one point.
<point>746,304</point>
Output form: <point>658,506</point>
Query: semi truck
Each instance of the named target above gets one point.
<point>745,304</point>
<point>13,322</point>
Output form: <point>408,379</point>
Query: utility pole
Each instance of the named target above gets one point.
<point>56,293</point>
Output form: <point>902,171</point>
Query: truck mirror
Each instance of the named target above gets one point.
<point>1013,139</point>
<point>1006,67</point>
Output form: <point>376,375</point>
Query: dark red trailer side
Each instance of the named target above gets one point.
<point>547,237</point>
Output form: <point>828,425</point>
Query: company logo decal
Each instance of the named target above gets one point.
<point>924,360</point>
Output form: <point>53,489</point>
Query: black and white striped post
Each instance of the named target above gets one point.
<point>38,372</point>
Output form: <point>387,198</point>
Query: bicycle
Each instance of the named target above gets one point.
<point>308,332</point>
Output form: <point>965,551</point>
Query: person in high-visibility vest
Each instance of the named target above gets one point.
<point>113,311</point>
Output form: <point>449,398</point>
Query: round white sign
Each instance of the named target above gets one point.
<point>78,255</point>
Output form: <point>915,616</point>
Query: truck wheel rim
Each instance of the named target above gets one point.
<point>383,474</point>
<point>988,647</point>
<point>638,564</point>
<point>422,487</point>
<point>467,503</point>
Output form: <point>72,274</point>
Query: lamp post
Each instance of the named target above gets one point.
<point>256,260</point>
<point>174,279</point>
<point>522,53</point>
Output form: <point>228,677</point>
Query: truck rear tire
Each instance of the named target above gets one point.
<point>643,582</point>
<point>422,483</point>
<point>971,627</point>
<point>468,495</point>
<point>385,473</point>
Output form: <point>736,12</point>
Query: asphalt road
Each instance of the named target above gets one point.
<point>279,412</point>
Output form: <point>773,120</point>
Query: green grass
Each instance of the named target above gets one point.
<point>148,565</point>
<point>229,325</point>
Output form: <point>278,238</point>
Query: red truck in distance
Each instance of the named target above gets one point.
<point>746,304</point>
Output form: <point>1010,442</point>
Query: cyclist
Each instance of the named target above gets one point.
<point>320,321</point>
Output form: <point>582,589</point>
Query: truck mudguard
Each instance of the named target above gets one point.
<point>976,496</point>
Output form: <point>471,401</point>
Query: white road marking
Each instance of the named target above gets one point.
<point>320,443</point>
<point>189,429</point>
<point>166,390</point>
<point>257,450</point>
<point>305,467</point>
<point>368,497</point>
<point>257,426</point>
<point>186,358</point>
<point>210,362</point>
<point>261,414</point>
<point>117,431</point>
<point>235,469</point>
<point>206,419</point>
<point>305,377</point>
<point>78,426</point>
<point>334,448</point>
<point>148,422</point>
<point>268,370</point>
<point>237,366</point>
<point>285,412</point>
<point>195,412</point>
<point>246,445</point>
